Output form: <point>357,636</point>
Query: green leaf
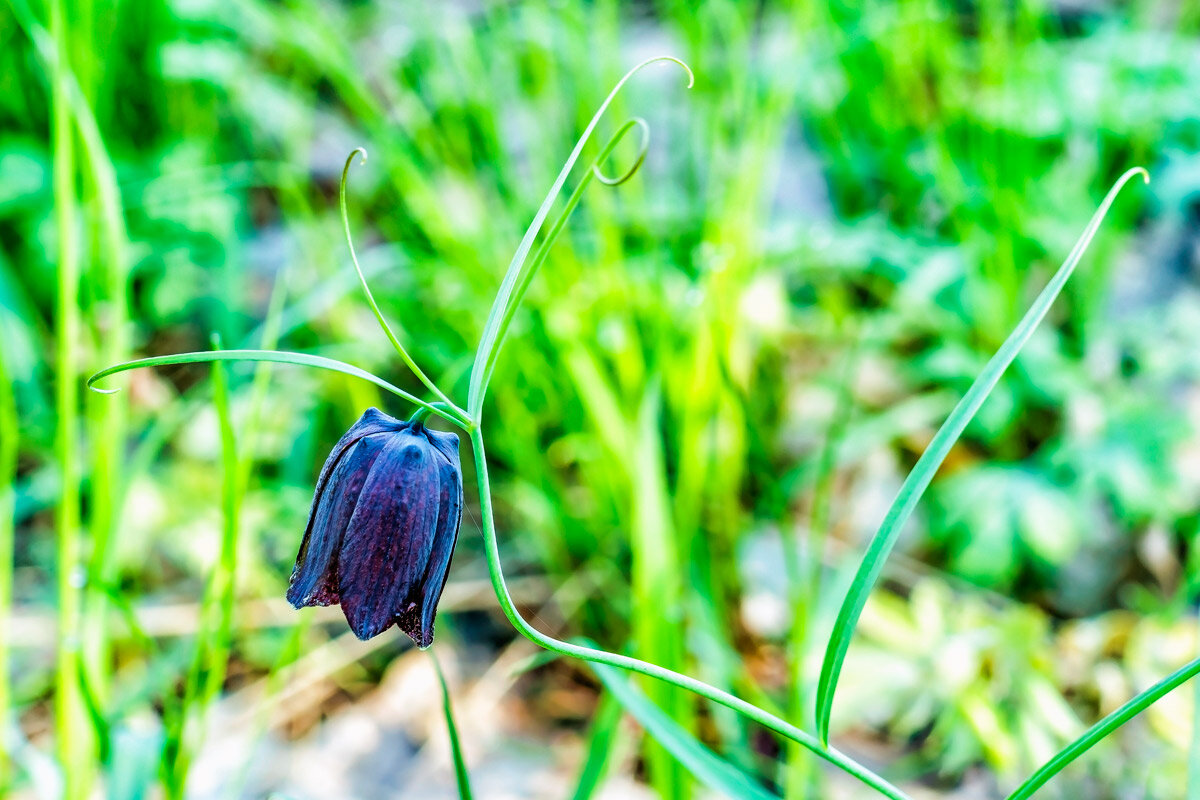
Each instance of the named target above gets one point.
<point>281,357</point>
<point>362,279</point>
<point>922,473</point>
<point>460,764</point>
<point>525,275</point>
<point>1139,703</point>
<point>713,771</point>
<point>493,331</point>
<point>601,738</point>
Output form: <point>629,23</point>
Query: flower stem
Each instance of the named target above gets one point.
<point>70,718</point>
<point>782,727</point>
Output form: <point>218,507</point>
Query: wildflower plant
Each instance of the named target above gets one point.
<point>410,493</point>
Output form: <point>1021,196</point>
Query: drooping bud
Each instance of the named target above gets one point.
<point>382,527</point>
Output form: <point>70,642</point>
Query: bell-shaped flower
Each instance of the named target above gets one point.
<point>382,527</point>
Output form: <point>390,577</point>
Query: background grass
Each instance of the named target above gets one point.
<point>716,383</point>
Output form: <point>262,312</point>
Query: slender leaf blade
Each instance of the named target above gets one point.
<point>491,338</point>
<point>601,739</point>
<point>461,775</point>
<point>922,473</point>
<point>1136,705</point>
<point>712,770</point>
<point>278,356</point>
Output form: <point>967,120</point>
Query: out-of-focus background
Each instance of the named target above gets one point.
<point>717,383</point>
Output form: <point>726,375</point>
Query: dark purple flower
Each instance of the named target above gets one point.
<point>382,527</point>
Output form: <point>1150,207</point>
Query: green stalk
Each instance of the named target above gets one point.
<point>9,443</point>
<point>71,718</point>
<point>107,421</point>
<point>214,638</point>
<point>783,728</point>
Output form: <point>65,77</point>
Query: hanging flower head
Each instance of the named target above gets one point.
<point>382,527</point>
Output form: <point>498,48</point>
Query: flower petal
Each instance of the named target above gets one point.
<point>372,421</point>
<point>419,624</point>
<point>314,578</point>
<point>387,543</point>
<point>446,443</point>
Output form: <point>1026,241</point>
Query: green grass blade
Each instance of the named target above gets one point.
<point>280,357</point>
<point>461,775</point>
<point>71,722</point>
<point>1193,782</point>
<point>490,341</point>
<point>601,738</point>
<point>922,473</point>
<point>715,772</point>
<point>210,657</point>
<point>9,451</point>
<point>1104,727</point>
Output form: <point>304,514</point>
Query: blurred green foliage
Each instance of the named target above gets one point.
<point>722,373</point>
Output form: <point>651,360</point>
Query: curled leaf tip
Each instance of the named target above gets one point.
<point>643,148</point>
<point>362,154</point>
<point>1129,175</point>
<point>91,384</point>
<point>680,62</point>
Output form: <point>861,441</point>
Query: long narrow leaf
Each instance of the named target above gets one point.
<point>9,451</point>
<point>525,275</point>
<point>366,287</point>
<point>490,341</point>
<point>922,473</point>
<point>1104,727</point>
<point>281,357</point>
<point>712,770</point>
<point>460,763</point>
<point>601,739</point>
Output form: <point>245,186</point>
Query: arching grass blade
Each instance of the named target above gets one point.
<point>460,763</point>
<point>922,473</point>
<point>714,771</point>
<point>281,357</point>
<point>493,331</point>
<point>1104,727</point>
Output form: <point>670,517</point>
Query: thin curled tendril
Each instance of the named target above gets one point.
<point>643,148</point>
